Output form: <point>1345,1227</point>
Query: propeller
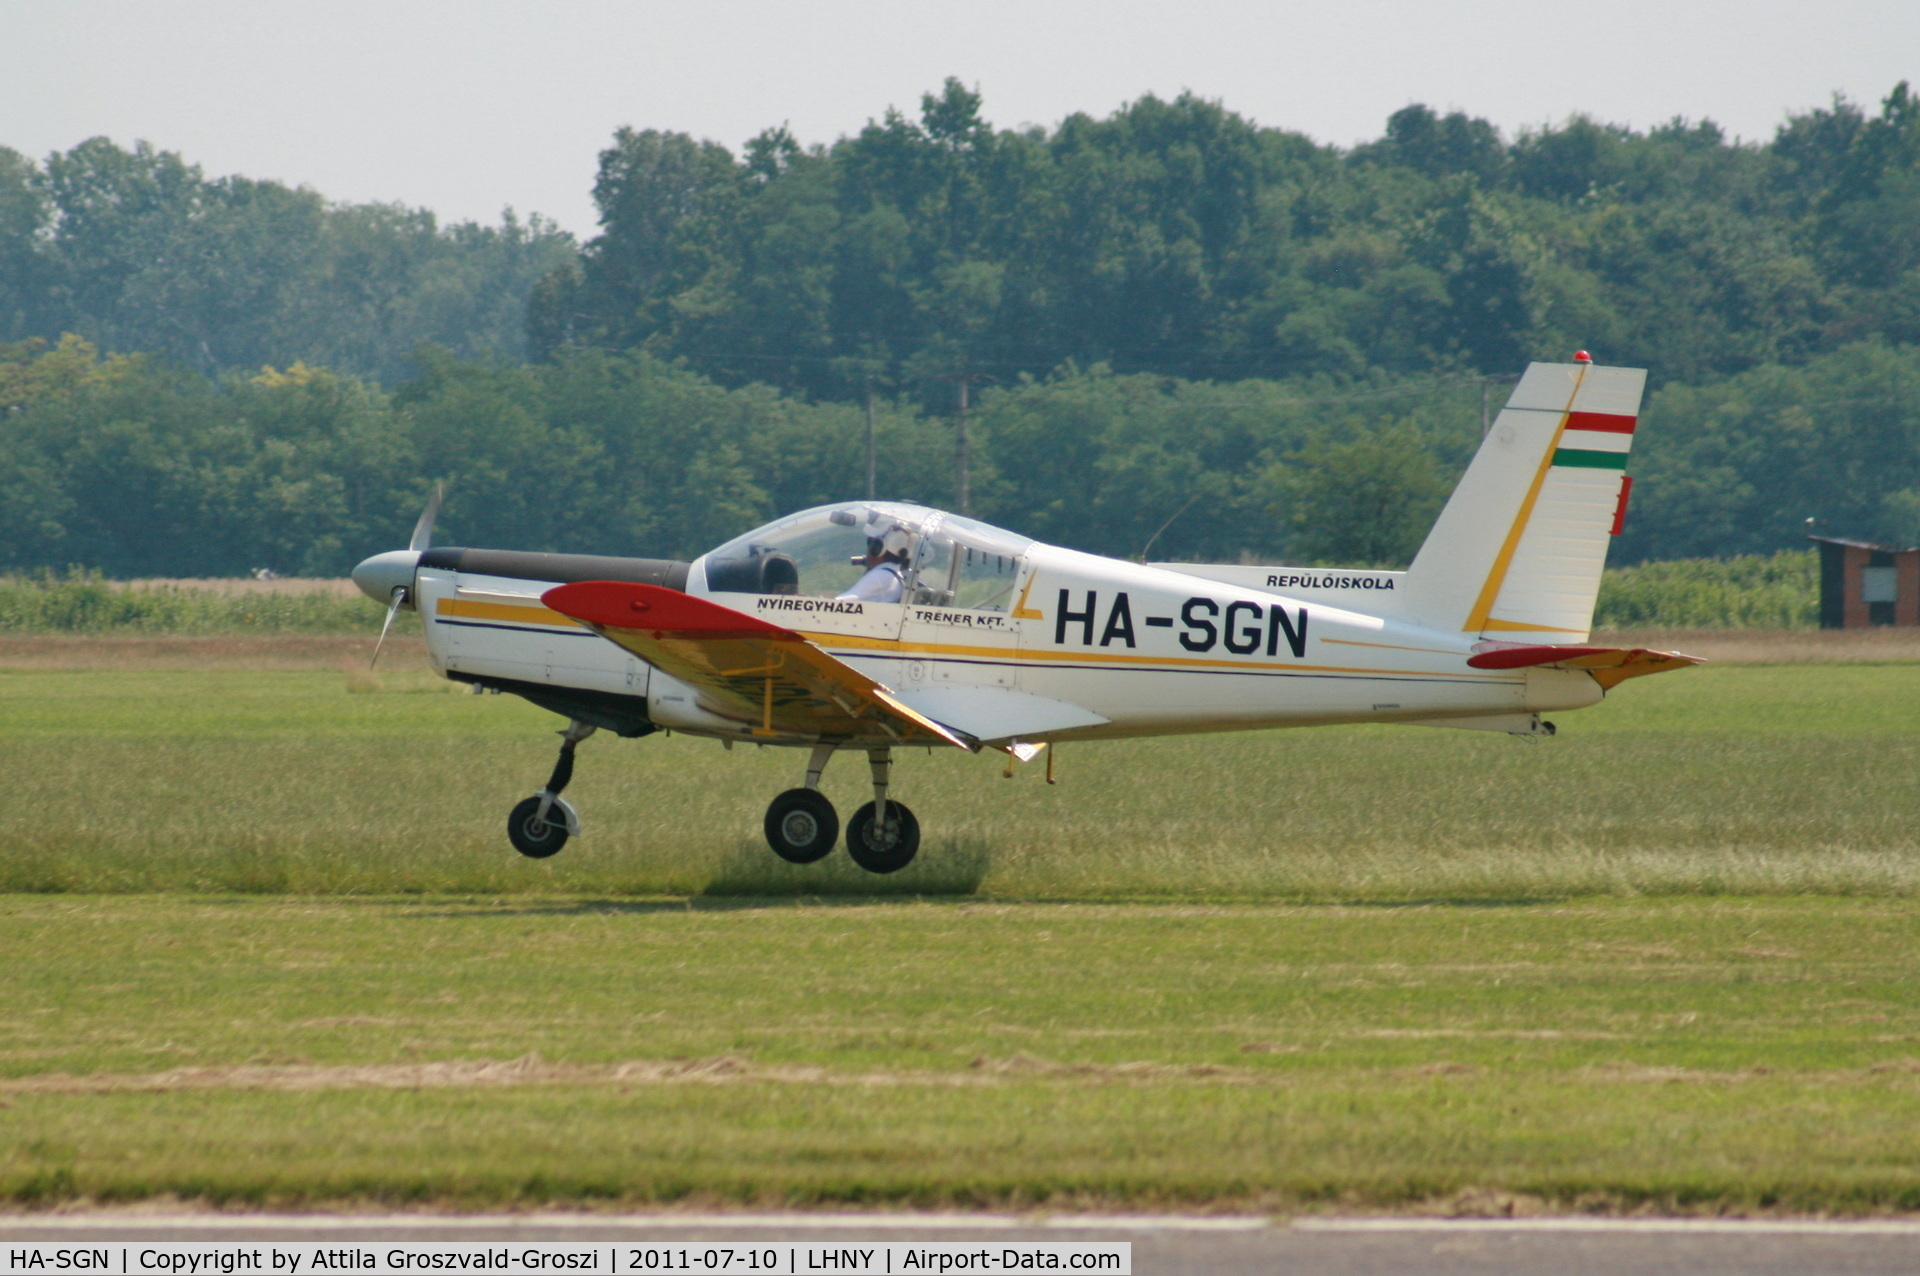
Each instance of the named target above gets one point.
<point>399,596</point>
<point>423,530</point>
<point>421,541</point>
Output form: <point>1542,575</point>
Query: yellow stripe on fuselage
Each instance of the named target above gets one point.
<point>1002,655</point>
<point>518,613</point>
<point>1495,625</point>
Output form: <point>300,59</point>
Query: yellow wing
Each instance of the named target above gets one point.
<point>769,679</point>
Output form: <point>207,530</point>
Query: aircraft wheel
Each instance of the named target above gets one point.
<point>885,850</point>
<point>802,826</point>
<point>532,836</point>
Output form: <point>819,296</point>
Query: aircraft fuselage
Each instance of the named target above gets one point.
<point>1147,650</point>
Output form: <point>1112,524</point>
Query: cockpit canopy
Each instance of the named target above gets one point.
<point>951,561</point>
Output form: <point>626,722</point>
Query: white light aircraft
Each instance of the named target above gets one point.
<point>873,625</point>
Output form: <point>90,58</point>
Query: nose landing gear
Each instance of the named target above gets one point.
<point>540,825</point>
<point>801,825</point>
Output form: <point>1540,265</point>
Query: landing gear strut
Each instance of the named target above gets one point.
<point>882,836</point>
<point>540,825</point>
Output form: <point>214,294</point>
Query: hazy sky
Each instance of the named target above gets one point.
<point>471,106</point>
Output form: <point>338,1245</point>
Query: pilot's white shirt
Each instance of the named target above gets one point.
<point>883,583</point>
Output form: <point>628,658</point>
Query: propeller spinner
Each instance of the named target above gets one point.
<point>388,577</point>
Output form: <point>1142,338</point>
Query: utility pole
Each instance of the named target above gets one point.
<point>869,438</point>
<point>1486,402</point>
<point>963,453</point>
<point>962,450</point>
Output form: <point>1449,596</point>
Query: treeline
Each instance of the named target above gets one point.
<point>138,250</point>
<point>1182,239</point>
<point>140,468</point>
<point>1183,336</point>
<point>1172,237</point>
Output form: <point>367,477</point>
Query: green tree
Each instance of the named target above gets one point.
<point>1738,466</point>
<point>23,219</point>
<point>1366,499</point>
<point>139,251</point>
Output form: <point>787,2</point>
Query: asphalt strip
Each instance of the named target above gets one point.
<point>1694,1226</point>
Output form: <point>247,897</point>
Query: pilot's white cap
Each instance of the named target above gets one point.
<point>893,540</point>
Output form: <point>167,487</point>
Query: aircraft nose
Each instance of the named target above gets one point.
<point>380,575</point>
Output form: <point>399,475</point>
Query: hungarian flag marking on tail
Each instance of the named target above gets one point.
<point>1595,441</point>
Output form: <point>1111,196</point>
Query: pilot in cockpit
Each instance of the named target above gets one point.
<point>886,563</point>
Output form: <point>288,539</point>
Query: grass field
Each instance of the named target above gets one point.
<point>1712,780</point>
<point>79,602</point>
<point>265,944</point>
<point>1690,1055</point>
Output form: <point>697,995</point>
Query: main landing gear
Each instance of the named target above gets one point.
<point>540,825</point>
<point>801,825</point>
<point>882,837</point>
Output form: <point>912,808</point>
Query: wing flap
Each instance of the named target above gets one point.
<point>998,713</point>
<point>759,674</point>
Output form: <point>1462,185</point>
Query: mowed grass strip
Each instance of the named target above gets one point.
<point>1747,779</point>
<point>1688,1054</point>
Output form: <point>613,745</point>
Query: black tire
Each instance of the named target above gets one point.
<point>891,853</point>
<point>532,836</point>
<point>802,826</point>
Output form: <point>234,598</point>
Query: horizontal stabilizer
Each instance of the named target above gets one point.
<point>1609,666</point>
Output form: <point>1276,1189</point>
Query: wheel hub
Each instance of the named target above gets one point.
<point>800,827</point>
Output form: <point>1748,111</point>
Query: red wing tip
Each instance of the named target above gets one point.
<point>613,604</point>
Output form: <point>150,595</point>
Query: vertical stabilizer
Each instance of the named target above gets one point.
<point>1517,553</point>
